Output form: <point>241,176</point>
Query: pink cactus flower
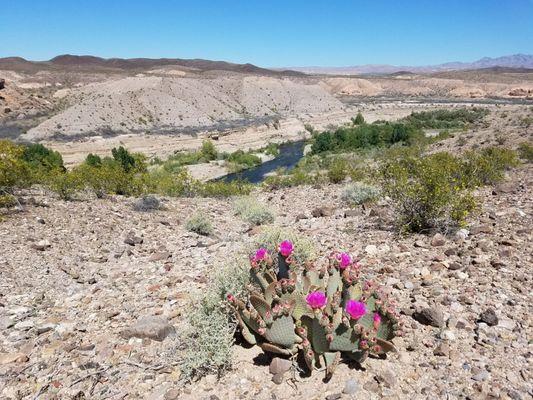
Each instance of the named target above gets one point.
<point>230,297</point>
<point>316,300</point>
<point>355,309</point>
<point>377,320</point>
<point>260,255</point>
<point>344,260</point>
<point>286,248</point>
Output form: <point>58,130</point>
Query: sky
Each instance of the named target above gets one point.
<point>270,33</point>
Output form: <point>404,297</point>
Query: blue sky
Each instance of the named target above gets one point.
<point>270,32</point>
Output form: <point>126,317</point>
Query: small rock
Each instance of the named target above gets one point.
<point>324,211</point>
<point>160,256</point>
<point>277,379</point>
<point>133,239</point>
<point>41,245</point>
<point>371,249</point>
<point>461,235</point>
<point>172,394</point>
<point>438,240</point>
<point>481,376</point>
<point>350,387</point>
<point>430,316</point>
<point>387,378</point>
<point>489,317</point>
<point>43,328</point>
<point>279,366</point>
<point>443,349</point>
<point>151,327</point>
<point>8,358</point>
<point>334,396</point>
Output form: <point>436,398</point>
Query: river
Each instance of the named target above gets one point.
<point>289,155</point>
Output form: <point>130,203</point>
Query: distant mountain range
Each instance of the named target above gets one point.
<point>512,61</point>
<point>97,64</point>
<point>77,63</point>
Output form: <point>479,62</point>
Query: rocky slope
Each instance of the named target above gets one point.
<point>79,280</point>
<point>167,104</point>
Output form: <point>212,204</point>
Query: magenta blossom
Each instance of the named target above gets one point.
<point>344,260</point>
<point>286,248</point>
<point>316,300</point>
<point>260,255</point>
<point>355,309</point>
<point>377,320</point>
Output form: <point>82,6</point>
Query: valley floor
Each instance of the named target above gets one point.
<point>75,277</point>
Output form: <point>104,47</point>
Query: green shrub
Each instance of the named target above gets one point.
<point>64,183</point>
<point>93,160</point>
<point>14,172</point>
<point>487,167</point>
<point>338,171</point>
<point>446,119</point>
<point>525,150</point>
<point>199,223</point>
<point>224,189</point>
<point>272,149</point>
<point>428,192</point>
<point>253,212</point>
<point>208,151</point>
<point>359,119</point>
<point>170,184</point>
<point>39,156</point>
<point>359,193</point>
<point>124,158</point>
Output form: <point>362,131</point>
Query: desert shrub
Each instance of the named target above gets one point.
<point>272,149</point>
<point>64,183</point>
<point>209,337</point>
<point>427,192</point>
<point>111,178</point>
<point>488,166</point>
<point>126,160</point>
<point>170,184</point>
<point>199,223</point>
<point>39,156</point>
<point>359,119</point>
<point>208,151</point>
<point>7,200</point>
<point>252,211</point>
<point>271,237</point>
<point>240,160</point>
<point>525,150</point>
<point>224,189</point>
<point>338,171</point>
<point>359,193</point>
<point>147,203</point>
<point>14,171</point>
<point>93,160</point>
<point>446,119</point>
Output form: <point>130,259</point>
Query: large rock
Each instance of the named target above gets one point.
<point>2,83</point>
<point>151,327</point>
<point>323,211</point>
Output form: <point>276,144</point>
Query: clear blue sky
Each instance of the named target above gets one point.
<point>270,32</point>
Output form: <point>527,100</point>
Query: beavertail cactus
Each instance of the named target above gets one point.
<point>320,311</point>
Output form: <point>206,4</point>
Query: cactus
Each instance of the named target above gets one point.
<point>321,312</point>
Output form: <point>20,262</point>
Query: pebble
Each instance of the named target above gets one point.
<point>489,317</point>
<point>350,387</point>
<point>430,316</point>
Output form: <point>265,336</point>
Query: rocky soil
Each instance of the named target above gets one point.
<point>92,294</point>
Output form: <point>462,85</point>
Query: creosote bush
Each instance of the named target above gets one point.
<point>429,192</point>
<point>318,310</point>
<point>359,193</point>
<point>200,224</point>
<point>252,211</point>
